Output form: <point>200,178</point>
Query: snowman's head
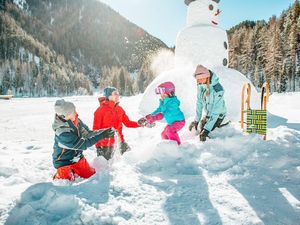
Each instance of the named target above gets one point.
<point>203,12</point>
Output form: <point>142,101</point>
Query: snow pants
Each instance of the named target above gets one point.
<point>81,169</point>
<point>170,131</point>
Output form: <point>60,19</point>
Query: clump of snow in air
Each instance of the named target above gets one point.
<point>162,61</point>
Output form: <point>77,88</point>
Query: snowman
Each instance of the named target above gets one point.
<point>202,34</point>
<point>202,41</point>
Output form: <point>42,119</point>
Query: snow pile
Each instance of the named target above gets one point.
<point>231,179</point>
<point>186,90</point>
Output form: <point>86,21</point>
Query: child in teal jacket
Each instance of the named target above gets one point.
<point>210,98</point>
<point>168,109</point>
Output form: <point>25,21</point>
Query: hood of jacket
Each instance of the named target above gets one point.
<point>60,126</point>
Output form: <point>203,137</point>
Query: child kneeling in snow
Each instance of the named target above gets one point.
<point>72,136</point>
<point>210,98</point>
<point>168,109</point>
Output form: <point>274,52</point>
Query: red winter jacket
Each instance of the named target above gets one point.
<point>110,114</point>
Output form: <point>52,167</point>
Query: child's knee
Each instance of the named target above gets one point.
<point>164,135</point>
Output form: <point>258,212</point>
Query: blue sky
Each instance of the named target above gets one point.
<point>164,18</point>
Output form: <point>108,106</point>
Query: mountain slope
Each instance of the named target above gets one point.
<point>90,33</point>
<point>72,37</point>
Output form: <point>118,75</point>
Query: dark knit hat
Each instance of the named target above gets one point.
<point>108,91</point>
<point>64,108</point>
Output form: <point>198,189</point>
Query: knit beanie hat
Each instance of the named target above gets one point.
<point>108,91</point>
<point>201,72</point>
<point>64,108</point>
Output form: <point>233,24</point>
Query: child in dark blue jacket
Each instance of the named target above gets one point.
<point>72,137</point>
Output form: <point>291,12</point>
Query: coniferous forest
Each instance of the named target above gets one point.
<point>269,51</point>
<point>66,47</point>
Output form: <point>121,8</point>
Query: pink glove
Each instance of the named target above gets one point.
<point>151,119</point>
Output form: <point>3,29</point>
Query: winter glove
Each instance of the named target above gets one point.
<point>150,119</point>
<point>202,124</point>
<point>142,122</point>
<point>204,135</point>
<point>105,151</point>
<point>109,132</point>
<point>124,147</point>
<point>194,125</point>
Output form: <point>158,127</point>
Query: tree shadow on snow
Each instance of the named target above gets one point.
<point>276,121</point>
<point>46,203</point>
<point>187,200</point>
<point>276,168</point>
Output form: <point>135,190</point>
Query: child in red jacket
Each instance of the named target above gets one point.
<point>110,114</point>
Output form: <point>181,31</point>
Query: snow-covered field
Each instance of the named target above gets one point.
<point>231,179</point>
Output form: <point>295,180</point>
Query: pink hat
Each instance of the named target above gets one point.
<point>201,72</point>
<point>165,88</point>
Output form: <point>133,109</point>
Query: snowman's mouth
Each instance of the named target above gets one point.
<point>215,23</point>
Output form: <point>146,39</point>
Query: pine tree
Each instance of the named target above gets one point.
<point>18,81</point>
<point>122,82</point>
<point>6,82</point>
<point>274,60</point>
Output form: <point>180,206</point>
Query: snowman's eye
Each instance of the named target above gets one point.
<point>211,7</point>
<point>225,45</point>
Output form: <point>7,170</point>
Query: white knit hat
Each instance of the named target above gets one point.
<point>63,108</point>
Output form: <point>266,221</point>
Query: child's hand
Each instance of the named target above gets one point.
<point>150,119</point>
<point>148,125</point>
<point>194,125</point>
<point>142,122</point>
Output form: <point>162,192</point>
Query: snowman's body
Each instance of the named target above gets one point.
<point>209,44</point>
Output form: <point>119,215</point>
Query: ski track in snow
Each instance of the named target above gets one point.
<point>231,179</point>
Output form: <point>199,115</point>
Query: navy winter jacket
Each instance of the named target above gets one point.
<point>70,141</point>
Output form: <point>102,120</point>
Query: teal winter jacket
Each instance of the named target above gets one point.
<point>169,107</point>
<point>213,104</point>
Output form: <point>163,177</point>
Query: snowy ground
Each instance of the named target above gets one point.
<point>231,179</point>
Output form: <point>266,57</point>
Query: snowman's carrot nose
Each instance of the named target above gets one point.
<point>218,12</point>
